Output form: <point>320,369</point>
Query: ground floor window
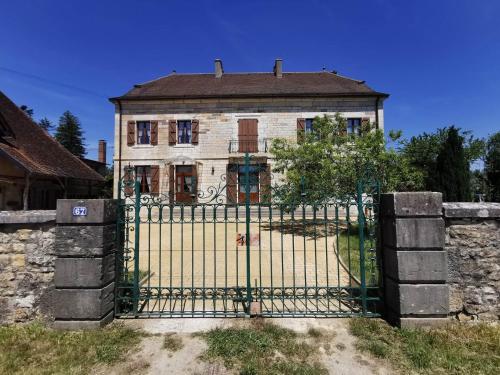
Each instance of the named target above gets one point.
<point>253,183</point>
<point>143,176</point>
<point>354,126</point>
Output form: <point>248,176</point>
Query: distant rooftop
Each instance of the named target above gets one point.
<point>230,85</point>
<point>33,149</point>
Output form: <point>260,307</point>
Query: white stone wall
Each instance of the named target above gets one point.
<point>218,120</point>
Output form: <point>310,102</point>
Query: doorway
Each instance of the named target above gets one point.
<point>253,176</point>
<point>185,190</point>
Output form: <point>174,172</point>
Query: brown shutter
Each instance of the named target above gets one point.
<point>155,179</point>
<point>172,132</point>
<point>128,181</point>
<point>231,183</point>
<point>253,135</point>
<point>131,133</point>
<point>343,127</point>
<point>154,132</point>
<point>195,188</point>
<point>171,183</point>
<point>365,125</point>
<point>301,130</point>
<point>265,183</point>
<point>195,129</point>
<point>248,135</point>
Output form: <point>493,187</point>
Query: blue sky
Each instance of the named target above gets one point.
<point>439,60</point>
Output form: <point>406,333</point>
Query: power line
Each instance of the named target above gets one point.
<point>71,87</point>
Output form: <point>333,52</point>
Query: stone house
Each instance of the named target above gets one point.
<point>35,170</point>
<point>182,132</point>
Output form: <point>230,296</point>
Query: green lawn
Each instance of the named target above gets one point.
<point>457,349</point>
<point>349,253</point>
<point>35,349</point>
<point>264,348</point>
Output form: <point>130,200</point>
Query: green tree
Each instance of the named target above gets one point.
<point>328,162</point>
<point>479,185</point>
<point>492,166</point>
<point>70,134</point>
<point>45,124</point>
<point>29,111</point>
<point>453,169</point>
<point>422,152</point>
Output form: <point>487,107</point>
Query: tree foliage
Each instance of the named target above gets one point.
<point>452,169</point>
<point>70,134</point>
<point>422,153</point>
<point>492,166</point>
<point>328,162</point>
<point>45,124</point>
<point>29,111</point>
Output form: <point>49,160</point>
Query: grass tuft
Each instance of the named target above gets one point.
<point>172,343</point>
<point>455,349</point>
<point>314,332</point>
<point>36,349</point>
<point>263,348</point>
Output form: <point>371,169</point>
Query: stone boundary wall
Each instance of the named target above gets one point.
<point>27,258</point>
<point>473,247</point>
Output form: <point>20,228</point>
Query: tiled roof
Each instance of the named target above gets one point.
<point>250,85</point>
<point>23,141</point>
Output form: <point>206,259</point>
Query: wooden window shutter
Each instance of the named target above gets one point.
<point>171,183</point>
<point>343,127</point>
<point>154,132</point>
<point>365,125</point>
<point>195,129</point>
<point>301,129</point>
<point>128,181</point>
<point>248,135</point>
<point>195,183</point>
<point>172,132</point>
<point>131,133</point>
<point>155,179</point>
<point>265,183</point>
<point>231,183</point>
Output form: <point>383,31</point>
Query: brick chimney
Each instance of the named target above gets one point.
<point>219,70</point>
<point>101,154</point>
<point>278,68</point>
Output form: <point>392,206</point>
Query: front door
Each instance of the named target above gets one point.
<point>253,183</point>
<point>185,184</point>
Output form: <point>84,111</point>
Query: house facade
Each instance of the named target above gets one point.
<point>182,132</point>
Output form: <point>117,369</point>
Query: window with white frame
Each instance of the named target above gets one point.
<point>143,132</point>
<point>354,126</point>
<point>143,176</point>
<point>309,125</point>
<point>184,132</point>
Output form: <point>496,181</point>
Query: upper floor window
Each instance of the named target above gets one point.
<point>354,126</point>
<point>143,132</point>
<point>184,131</point>
<point>309,125</point>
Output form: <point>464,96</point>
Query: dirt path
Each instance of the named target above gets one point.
<point>338,353</point>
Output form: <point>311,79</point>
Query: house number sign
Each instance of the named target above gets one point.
<point>79,211</point>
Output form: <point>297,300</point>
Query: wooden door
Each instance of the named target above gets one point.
<point>185,184</point>
<point>248,135</point>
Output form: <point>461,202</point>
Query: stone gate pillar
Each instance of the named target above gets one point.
<point>84,272</point>
<point>414,261</point>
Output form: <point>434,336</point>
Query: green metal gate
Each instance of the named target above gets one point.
<point>273,258</point>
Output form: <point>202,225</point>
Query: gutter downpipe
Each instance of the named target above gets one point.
<point>376,112</point>
<point>119,144</point>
